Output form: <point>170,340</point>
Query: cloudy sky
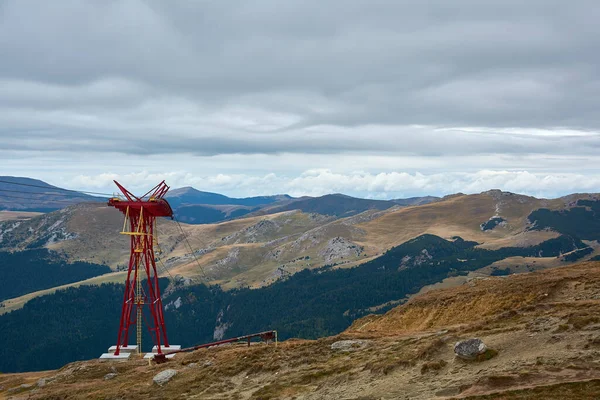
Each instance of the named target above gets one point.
<point>374,98</point>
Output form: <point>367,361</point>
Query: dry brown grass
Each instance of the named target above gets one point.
<point>585,390</point>
<point>433,366</point>
<point>17,215</point>
<point>582,319</point>
<point>456,216</point>
<point>478,300</point>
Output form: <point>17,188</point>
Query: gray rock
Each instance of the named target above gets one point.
<point>192,365</point>
<point>469,349</point>
<point>110,376</point>
<point>207,364</point>
<point>41,382</point>
<point>349,345</point>
<point>20,388</point>
<point>164,376</point>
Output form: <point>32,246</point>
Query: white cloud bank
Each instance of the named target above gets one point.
<point>385,185</point>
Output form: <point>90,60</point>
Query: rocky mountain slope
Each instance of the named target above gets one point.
<point>541,330</point>
<point>256,251</point>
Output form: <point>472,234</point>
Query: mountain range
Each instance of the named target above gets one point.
<point>288,235</point>
<point>191,205</point>
<point>308,267</point>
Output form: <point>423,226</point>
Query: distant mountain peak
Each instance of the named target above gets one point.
<point>188,190</point>
<point>191,196</point>
<point>28,194</point>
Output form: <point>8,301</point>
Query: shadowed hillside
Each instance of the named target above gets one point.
<point>337,205</point>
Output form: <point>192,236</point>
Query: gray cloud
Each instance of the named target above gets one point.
<point>432,79</point>
<point>64,132</point>
<point>500,63</point>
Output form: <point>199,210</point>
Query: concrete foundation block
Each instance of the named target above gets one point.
<point>166,349</point>
<point>113,357</point>
<point>132,348</point>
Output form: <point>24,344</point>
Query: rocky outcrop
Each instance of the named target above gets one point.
<point>21,388</point>
<point>338,248</point>
<point>221,327</point>
<point>110,376</point>
<point>176,303</point>
<point>470,349</point>
<point>349,345</point>
<point>231,258</point>
<point>408,261</point>
<point>254,234</point>
<point>164,376</point>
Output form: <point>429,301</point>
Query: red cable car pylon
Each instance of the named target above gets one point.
<point>140,221</point>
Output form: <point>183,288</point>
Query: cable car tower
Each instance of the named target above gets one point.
<point>141,286</point>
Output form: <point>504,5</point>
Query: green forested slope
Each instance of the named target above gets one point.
<point>582,221</point>
<point>28,271</point>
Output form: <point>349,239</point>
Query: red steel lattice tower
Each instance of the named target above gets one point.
<point>140,222</point>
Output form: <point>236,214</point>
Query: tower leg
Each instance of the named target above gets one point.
<point>123,307</point>
<point>131,300</point>
<point>139,302</point>
<point>153,301</point>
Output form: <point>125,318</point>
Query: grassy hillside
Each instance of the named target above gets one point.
<point>460,215</point>
<point>17,215</point>
<point>542,327</point>
<point>259,250</point>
